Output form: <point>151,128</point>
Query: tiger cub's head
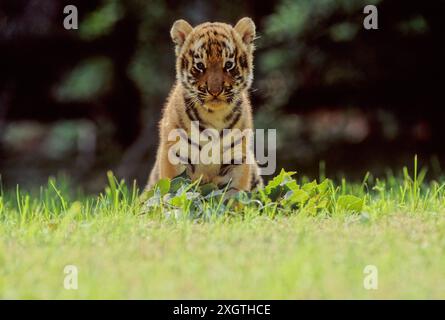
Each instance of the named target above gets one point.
<point>214,60</point>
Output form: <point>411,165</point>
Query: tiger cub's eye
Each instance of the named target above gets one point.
<point>200,66</point>
<point>229,65</point>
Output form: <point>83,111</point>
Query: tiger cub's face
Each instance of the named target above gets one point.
<point>214,60</point>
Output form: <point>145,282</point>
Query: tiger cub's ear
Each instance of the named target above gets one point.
<point>246,29</point>
<point>179,32</point>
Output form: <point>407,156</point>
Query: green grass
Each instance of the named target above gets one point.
<point>281,243</point>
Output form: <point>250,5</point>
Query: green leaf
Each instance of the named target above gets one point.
<point>296,196</point>
<point>177,183</point>
<point>324,186</point>
<point>282,178</point>
<point>350,203</point>
<point>244,197</point>
<point>292,185</point>
<point>310,186</point>
<point>276,193</point>
<point>163,186</point>
<point>279,185</point>
<point>208,188</point>
<point>178,201</point>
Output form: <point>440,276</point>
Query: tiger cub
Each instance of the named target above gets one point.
<point>214,70</point>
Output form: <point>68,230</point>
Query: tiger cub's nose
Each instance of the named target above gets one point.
<point>215,91</point>
<point>214,86</point>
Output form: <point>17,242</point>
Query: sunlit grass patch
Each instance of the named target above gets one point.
<point>296,238</point>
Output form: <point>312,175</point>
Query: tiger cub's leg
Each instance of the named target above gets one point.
<point>256,181</point>
<point>166,168</point>
<point>238,175</point>
<point>154,176</point>
<point>163,168</point>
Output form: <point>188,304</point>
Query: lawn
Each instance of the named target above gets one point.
<point>294,239</point>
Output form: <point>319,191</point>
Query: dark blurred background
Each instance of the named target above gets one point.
<point>88,100</point>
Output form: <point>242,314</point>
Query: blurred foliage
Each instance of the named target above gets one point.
<point>101,21</point>
<point>90,79</point>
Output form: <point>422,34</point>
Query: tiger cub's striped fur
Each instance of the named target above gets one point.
<point>214,71</point>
